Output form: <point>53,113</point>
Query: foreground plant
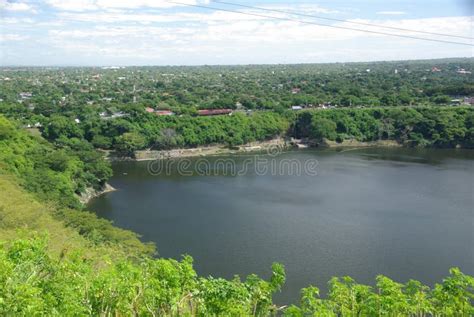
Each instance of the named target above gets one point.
<point>33,282</point>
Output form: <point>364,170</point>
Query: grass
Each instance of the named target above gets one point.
<point>23,216</point>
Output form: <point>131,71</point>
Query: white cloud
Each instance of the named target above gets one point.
<point>73,5</point>
<point>446,25</point>
<point>16,6</point>
<point>89,5</point>
<point>249,37</point>
<point>15,21</point>
<point>146,18</point>
<point>131,4</point>
<point>114,31</point>
<point>298,8</point>
<point>391,13</point>
<point>13,37</point>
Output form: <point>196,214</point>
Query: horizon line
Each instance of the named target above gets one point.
<point>228,65</point>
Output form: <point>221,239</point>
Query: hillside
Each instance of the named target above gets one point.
<point>21,214</point>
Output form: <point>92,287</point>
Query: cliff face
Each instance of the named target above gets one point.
<point>91,193</point>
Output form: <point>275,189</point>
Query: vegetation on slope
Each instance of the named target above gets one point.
<point>432,127</point>
<point>143,130</point>
<point>57,173</point>
<point>32,282</point>
<point>410,126</point>
<point>54,176</point>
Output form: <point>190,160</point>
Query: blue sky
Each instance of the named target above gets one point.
<point>158,32</point>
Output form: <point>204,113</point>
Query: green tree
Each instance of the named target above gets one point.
<point>322,128</point>
<point>129,142</point>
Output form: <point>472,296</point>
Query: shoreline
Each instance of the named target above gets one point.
<point>273,145</point>
<point>359,144</point>
<point>203,151</point>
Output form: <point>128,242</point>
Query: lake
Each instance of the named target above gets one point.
<point>404,213</point>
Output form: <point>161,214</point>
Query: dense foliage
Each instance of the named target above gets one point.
<point>34,283</point>
<point>144,130</point>
<point>184,89</point>
<point>56,173</point>
<point>437,127</point>
<point>107,107</point>
<point>453,297</point>
<point>55,176</point>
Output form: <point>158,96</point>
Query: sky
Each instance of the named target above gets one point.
<point>161,32</point>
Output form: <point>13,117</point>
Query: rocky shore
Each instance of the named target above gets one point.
<point>211,150</point>
<point>92,193</point>
<point>273,145</point>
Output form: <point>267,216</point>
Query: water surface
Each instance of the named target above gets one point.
<point>399,212</point>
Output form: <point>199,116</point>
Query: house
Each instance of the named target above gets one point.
<point>164,113</point>
<point>295,91</point>
<point>296,108</point>
<point>469,101</point>
<point>435,70</point>
<point>119,114</point>
<point>25,95</point>
<point>456,102</point>
<point>105,116</point>
<point>214,112</point>
<point>462,71</point>
<point>149,110</point>
<point>112,67</point>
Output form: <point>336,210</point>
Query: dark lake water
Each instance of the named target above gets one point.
<point>398,212</point>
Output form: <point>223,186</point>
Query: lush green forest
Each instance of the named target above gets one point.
<point>56,258</point>
<point>115,109</point>
<point>142,131</point>
<point>55,175</point>
<point>434,127</point>
<point>82,91</point>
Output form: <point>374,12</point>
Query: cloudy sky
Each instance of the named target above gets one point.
<point>160,32</point>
